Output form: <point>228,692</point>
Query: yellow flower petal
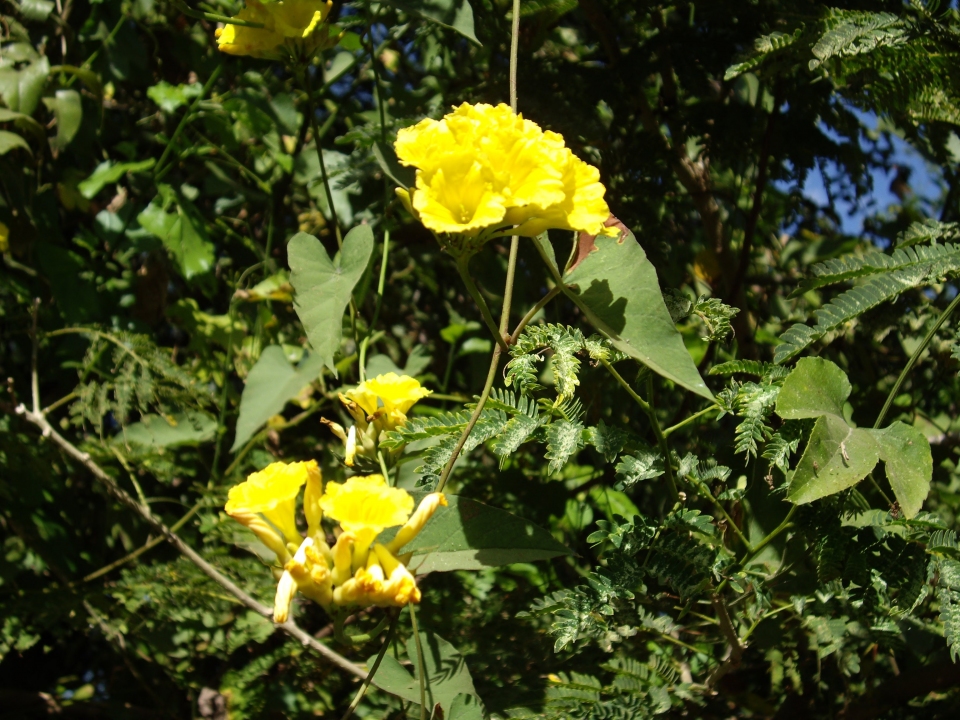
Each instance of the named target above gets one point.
<point>364,507</point>
<point>273,492</point>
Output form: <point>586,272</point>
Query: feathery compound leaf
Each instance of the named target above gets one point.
<point>932,260</point>
<point>948,594</point>
<point>635,468</point>
<point>928,231</point>
<point>563,341</point>
<point>564,439</point>
<point>763,47</point>
<point>857,32</point>
<point>421,428</point>
<point>856,301</point>
<point>763,370</point>
<point>516,432</point>
<point>716,317</point>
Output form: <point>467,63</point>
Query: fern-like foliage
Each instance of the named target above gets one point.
<point>907,268</point>
<point>948,595</point>
<point>753,403</point>
<point>784,442</point>
<point>563,341</point>
<point>123,374</point>
<point>767,372</point>
<point>716,317</point>
<point>898,64</point>
<point>925,261</point>
<point>855,32</point>
<point>564,439</point>
<point>929,231</point>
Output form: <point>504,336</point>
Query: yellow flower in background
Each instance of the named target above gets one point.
<point>483,169</point>
<point>4,238</point>
<point>272,494</point>
<point>390,393</point>
<point>290,27</point>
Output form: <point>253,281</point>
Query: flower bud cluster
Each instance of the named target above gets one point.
<point>484,171</point>
<point>356,570</point>
<point>377,406</point>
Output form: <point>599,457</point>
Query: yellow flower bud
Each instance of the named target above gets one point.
<point>428,506</point>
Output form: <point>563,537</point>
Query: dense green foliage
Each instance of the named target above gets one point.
<point>753,515</point>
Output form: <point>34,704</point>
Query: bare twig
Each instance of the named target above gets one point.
<point>209,570</point>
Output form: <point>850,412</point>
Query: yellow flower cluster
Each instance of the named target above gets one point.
<point>290,27</point>
<point>484,170</point>
<point>377,405</point>
<point>356,570</point>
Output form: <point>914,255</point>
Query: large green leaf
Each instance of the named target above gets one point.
<point>36,10</point>
<point>68,111</point>
<point>908,462</point>
<point>447,675</point>
<point>11,141</point>
<point>617,289</point>
<point>271,383</point>
<point>186,428</point>
<point>182,231</point>
<point>324,286</point>
<point>837,457</point>
<point>21,89</point>
<point>815,387</point>
<point>23,122</point>
<point>108,172</point>
<point>468,535</point>
<point>454,14</point>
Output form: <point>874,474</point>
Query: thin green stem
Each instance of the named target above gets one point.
<point>339,631</point>
<point>311,109</point>
<point>376,310</point>
<point>383,467</point>
<point>213,17</point>
<point>525,320</point>
<point>422,675</point>
<point>231,160</point>
<point>464,270</point>
<point>96,53</point>
<point>161,170</point>
<point>723,511</point>
<point>916,356</point>
<point>507,292</point>
<point>471,423</point>
<point>651,414</point>
<point>149,545</point>
<point>365,685</point>
<point>759,547</point>
<point>227,358</point>
<point>695,416</point>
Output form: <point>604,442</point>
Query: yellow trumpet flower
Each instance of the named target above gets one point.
<point>365,506</point>
<point>485,170</point>
<point>389,396</point>
<point>350,573</point>
<point>272,494</point>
